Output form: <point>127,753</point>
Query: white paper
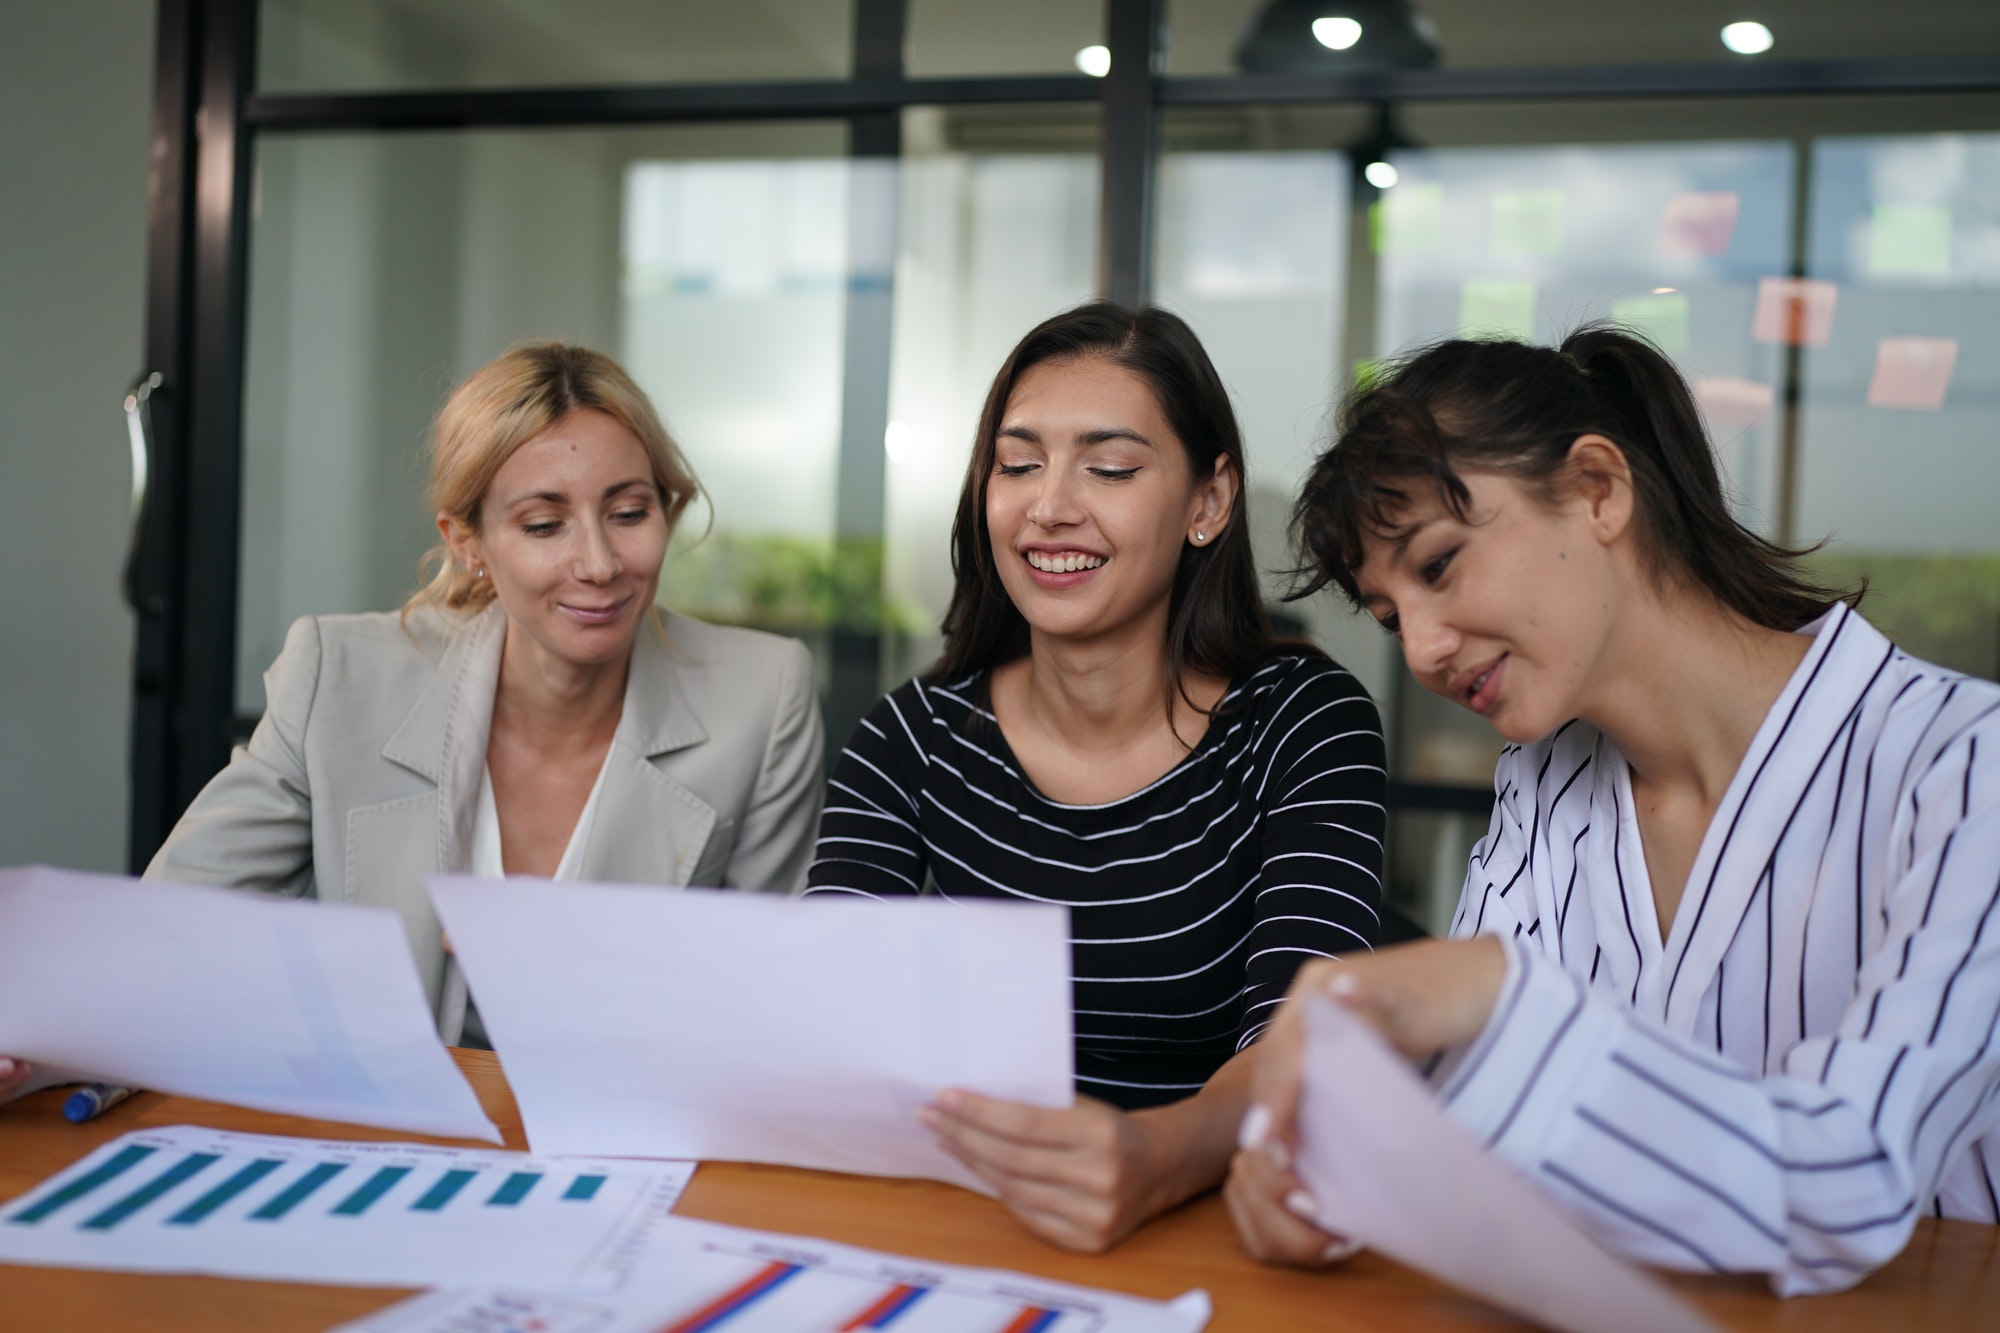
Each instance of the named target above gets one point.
<point>785,1284</point>
<point>1393,1170</point>
<point>188,1200</point>
<point>299,1007</point>
<point>746,1027</point>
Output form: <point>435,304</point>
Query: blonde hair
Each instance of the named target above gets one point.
<point>502,406</point>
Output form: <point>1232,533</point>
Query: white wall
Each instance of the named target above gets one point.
<point>75,93</point>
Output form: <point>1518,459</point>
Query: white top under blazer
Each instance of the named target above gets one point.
<point>1808,1063</point>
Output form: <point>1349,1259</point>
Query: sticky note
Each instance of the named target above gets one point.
<point>1527,222</point>
<point>1906,239</point>
<point>1496,308</point>
<point>1728,401</point>
<point>1699,222</point>
<point>1663,317</point>
<point>1912,372</point>
<point>1407,217</point>
<point>1798,311</point>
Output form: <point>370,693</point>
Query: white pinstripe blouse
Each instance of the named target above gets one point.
<point>1808,1062</point>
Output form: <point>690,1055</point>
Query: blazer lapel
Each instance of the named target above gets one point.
<point>649,828</point>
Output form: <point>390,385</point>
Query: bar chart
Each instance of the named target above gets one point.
<point>196,1200</point>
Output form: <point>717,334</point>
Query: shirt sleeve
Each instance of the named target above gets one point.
<point>869,842</point>
<point>1814,1173</point>
<point>1324,792</point>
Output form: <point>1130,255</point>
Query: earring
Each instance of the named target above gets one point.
<point>1199,536</point>
<point>479,573</point>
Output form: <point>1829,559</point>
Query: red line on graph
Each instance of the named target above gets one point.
<point>708,1316</point>
<point>1031,1320</point>
<point>872,1316</point>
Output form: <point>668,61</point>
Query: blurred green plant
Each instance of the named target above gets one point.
<point>1942,608</point>
<point>784,583</point>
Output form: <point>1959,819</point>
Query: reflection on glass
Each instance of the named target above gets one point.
<point>1902,390</point>
<point>369,45</point>
<point>384,268</point>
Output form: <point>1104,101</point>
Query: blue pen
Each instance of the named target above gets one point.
<point>93,1100</point>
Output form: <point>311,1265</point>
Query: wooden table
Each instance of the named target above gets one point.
<point>1948,1278</point>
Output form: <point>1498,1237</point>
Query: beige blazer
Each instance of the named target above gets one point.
<point>363,774</point>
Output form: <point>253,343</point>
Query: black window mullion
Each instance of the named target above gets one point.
<point>1134,34</point>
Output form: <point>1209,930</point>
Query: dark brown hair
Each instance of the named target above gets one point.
<point>1216,622</point>
<point>1516,409</point>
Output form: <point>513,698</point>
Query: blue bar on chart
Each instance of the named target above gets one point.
<point>893,1305</point>
<point>298,1191</point>
<point>514,1190</point>
<point>224,1192</point>
<point>355,1204</point>
<point>447,1188</point>
<point>584,1188</point>
<point>188,1167</point>
<point>124,1161</point>
<point>753,1289</point>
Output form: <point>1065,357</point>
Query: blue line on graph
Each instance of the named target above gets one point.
<point>515,1190</point>
<point>442,1193</point>
<point>224,1192</point>
<point>584,1187</point>
<point>191,1165</point>
<point>296,1193</point>
<point>355,1204</point>
<point>125,1160</point>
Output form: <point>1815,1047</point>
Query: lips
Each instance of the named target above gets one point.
<point>596,615</point>
<point>1063,562</point>
<point>1483,690</point>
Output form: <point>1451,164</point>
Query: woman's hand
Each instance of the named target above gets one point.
<point>13,1073</point>
<point>1423,997</point>
<point>1082,1178</point>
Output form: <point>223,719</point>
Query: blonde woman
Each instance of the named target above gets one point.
<point>530,711</point>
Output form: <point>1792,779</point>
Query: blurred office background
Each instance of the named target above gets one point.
<point>812,228</point>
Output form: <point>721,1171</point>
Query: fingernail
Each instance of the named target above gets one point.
<point>1339,1249</point>
<point>1300,1204</point>
<point>1345,985</point>
<point>951,1099</point>
<point>6,1067</point>
<point>1256,1127</point>
<point>1280,1155</point>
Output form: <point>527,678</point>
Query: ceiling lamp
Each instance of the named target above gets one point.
<point>1094,61</point>
<point>1747,38</point>
<point>1318,36</point>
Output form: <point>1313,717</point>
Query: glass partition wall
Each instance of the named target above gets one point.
<point>812,230</point>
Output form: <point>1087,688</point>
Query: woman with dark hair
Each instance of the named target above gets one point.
<point>1114,728</point>
<point>1728,970</point>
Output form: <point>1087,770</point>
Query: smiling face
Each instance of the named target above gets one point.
<point>572,535</point>
<point>1091,501</point>
<point>1509,611</point>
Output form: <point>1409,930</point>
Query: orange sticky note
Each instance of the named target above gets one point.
<point>1912,372</point>
<point>1798,311</point>
<point>1728,401</point>
<point>1699,222</point>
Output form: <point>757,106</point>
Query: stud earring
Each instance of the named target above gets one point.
<point>1199,536</point>
<point>480,572</point>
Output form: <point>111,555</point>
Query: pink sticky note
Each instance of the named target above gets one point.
<point>1798,311</point>
<point>1912,372</point>
<point>1699,222</point>
<point>1728,401</point>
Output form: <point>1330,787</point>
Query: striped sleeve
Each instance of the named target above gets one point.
<point>869,841</point>
<point>1815,1173</point>
<point>1324,788</point>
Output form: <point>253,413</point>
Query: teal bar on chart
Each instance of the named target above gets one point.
<point>124,1161</point>
<point>442,1193</point>
<point>185,1169</point>
<point>355,1204</point>
<point>584,1187</point>
<point>298,1191</point>
<point>224,1192</point>
<point>515,1190</point>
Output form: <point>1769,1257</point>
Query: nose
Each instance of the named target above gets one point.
<point>1055,503</point>
<point>597,559</point>
<point>1429,645</point>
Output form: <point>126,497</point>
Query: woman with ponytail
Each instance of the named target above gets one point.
<point>1725,975</point>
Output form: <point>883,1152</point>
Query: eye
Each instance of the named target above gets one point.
<point>1114,473</point>
<point>1434,570</point>
<point>1013,469</point>
<point>1392,625</point>
<point>546,527</point>
<point>637,514</point>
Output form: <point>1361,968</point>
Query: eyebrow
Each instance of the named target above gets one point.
<point>562,498</point>
<point>1102,435</point>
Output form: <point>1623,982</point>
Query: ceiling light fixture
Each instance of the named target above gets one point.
<point>1381,174</point>
<point>1336,34</point>
<point>1747,38</point>
<point>1094,61</point>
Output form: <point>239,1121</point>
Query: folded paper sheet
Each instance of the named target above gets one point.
<point>746,1027</point>
<point>303,1008</point>
<point>188,1200</point>
<point>698,1276</point>
<point>1393,1170</point>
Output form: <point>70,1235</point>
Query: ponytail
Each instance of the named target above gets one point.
<point>1515,409</point>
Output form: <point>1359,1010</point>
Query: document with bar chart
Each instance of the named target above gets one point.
<point>189,1200</point>
<point>700,1277</point>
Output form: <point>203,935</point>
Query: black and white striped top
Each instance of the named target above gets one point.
<point>1809,1062</point>
<point>1192,902</point>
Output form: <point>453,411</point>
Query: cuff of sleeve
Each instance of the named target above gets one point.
<point>1514,1085</point>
